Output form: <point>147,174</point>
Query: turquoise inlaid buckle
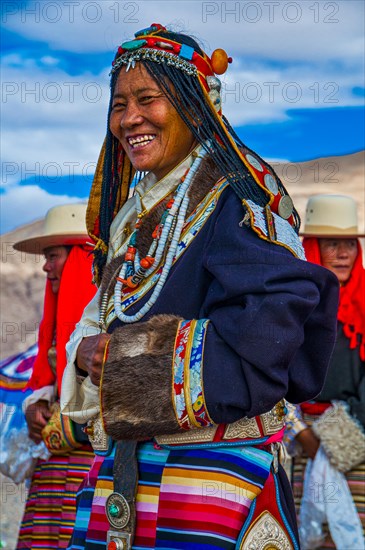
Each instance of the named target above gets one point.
<point>117,511</point>
<point>133,44</point>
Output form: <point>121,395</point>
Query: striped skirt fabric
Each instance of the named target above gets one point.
<point>187,498</point>
<point>50,509</point>
<point>355,479</point>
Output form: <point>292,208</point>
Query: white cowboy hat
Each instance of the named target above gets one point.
<point>331,216</point>
<point>63,225</point>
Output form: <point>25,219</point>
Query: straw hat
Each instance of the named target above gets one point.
<point>63,225</point>
<point>331,216</point>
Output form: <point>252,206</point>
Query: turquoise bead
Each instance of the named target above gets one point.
<point>114,510</point>
<point>143,32</point>
<point>133,44</point>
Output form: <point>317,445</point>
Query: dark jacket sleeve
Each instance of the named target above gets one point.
<point>272,323</point>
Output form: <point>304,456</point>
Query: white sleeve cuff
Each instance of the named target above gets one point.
<point>46,393</point>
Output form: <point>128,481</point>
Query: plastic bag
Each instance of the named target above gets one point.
<point>327,499</point>
<point>18,453</point>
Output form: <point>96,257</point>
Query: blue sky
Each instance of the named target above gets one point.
<point>294,91</point>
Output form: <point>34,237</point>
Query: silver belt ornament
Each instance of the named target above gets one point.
<point>118,541</point>
<point>118,513</point>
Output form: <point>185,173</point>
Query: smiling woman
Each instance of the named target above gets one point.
<point>149,128</point>
<point>185,362</point>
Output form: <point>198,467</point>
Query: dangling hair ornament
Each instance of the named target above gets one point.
<point>214,85</point>
<point>219,62</point>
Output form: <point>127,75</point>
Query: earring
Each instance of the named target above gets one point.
<point>214,93</point>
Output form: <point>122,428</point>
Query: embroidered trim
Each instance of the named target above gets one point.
<point>241,432</point>
<point>188,396</point>
<point>199,414</point>
<point>178,374</point>
<point>273,228</point>
<point>186,377</point>
<point>58,434</point>
<point>293,426</point>
<point>283,517</point>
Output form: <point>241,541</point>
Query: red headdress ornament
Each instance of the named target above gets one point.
<point>148,44</point>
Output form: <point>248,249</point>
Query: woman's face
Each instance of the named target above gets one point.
<point>339,255</point>
<point>56,257</point>
<point>149,128</point>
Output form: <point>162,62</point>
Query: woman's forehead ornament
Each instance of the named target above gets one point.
<point>149,54</point>
<point>149,45</point>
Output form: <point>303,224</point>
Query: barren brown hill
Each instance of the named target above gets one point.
<point>343,175</point>
<point>22,279</point>
<point>21,292</point>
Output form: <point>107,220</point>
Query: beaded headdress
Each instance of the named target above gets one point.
<point>180,60</point>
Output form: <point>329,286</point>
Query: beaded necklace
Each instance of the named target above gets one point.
<point>166,237</point>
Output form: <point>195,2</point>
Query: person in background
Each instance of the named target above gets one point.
<point>334,421</point>
<point>206,318</point>
<point>51,504</point>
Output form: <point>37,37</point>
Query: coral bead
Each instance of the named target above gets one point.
<point>219,61</point>
<point>147,262</point>
<point>129,282</point>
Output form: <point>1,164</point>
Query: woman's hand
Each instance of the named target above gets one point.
<point>90,355</point>
<point>37,416</point>
<point>309,441</point>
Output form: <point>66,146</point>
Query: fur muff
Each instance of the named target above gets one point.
<point>136,389</point>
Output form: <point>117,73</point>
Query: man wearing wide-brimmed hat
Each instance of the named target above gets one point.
<point>330,429</point>
<point>50,508</point>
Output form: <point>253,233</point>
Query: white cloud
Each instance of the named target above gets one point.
<point>279,30</point>
<point>258,94</point>
<point>51,119</point>
<point>49,60</point>
<point>21,205</point>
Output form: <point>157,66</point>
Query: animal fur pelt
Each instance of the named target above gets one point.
<point>140,364</point>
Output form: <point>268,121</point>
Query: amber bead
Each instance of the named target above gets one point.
<point>220,61</point>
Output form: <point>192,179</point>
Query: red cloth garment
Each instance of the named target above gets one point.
<point>351,310</point>
<point>61,313</point>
